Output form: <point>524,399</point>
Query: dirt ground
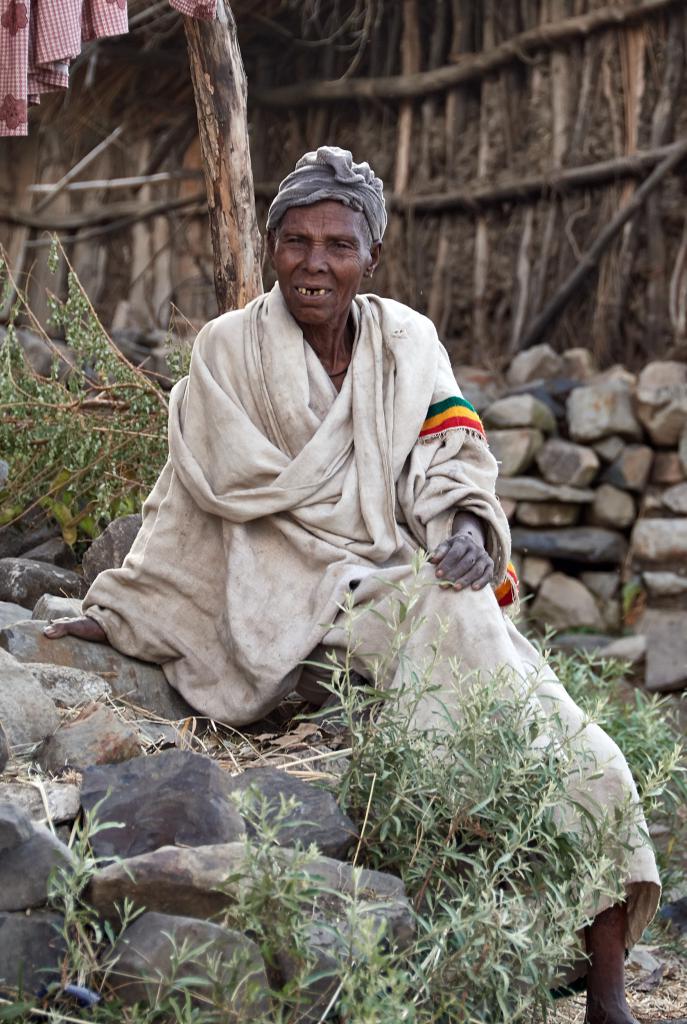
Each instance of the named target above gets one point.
<point>655,996</point>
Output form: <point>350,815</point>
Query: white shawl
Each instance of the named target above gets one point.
<point>278,493</point>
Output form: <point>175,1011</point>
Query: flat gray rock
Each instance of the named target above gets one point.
<point>23,581</point>
<point>69,687</point>
<point>53,551</point>
<point>565,603</point>
<point>659,543</point>
<point>547,513</point>
<point>630,470</point>
<point>316,817</point>
<point>528,488</point>
<point>587,544</point>
<point>666,649</point>
<point>203,881</point>
<point>536,363</point>
<point>97,737</point>
<point>598,410</point>
<point>31,950</point>
<point>4,749</point>
<point>520,411</point>
<point>174,798</point>
<point>662,400</point>
<point>49,607</point>
<point>665,584</point>
<point>27,713</point>
<point>14,541</point>
<point>562,462</point>
<point>144,969</point>
<point>110,549</point>
<point>613,507</point>
<point>30,854</point>
<point>11,613</point>
<point>138,682</point>
<point>514,450</point>
<point>62,799</point>
<point>675,499</point>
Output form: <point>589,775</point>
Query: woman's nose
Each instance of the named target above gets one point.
<point>316,258</point>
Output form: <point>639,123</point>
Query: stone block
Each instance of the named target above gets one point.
<point>630,470</point>
<point>600,410</point>
<point>609,448</point>
<point>69,687</point>
<point>660,543</point>
<point>315,818</point>
<point>667,469</point>
<point>520,411</point>
<point>534,571</point>
<point>515,450</point>
<point>579,364</point>
<point>11,613</point>
<point>226,971</point>
<point>587,544</point>
<point>32,950</point>
<point>528,488</point>
<point>537,363</point>
<point>30,853</point>
<point>665,584</point>
<point>604,585</point>
<point>139,682</point>
<point>49,607</point>
<point>23,581</point>
<point>675,499</point>
<point>562,462</point>
<point>15,540</point>
<point>627,648</point>
<point>205,880</point>
<point>4,749</point>
<point>613,507</point>
<point>666,649</point>
<point>110,549</point>
<point>565,603</point>
<point>662,400</point>
<point>547,513</point>
<point>27,713</point>
<point>53,551</point>
<point>62,798</point>
<point>171,798</point>
<point>97,737</point>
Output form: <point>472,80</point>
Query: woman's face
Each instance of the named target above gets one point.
<point>320,254</point>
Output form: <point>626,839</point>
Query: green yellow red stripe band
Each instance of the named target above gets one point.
<point>507,592</point>
<point>450,413</point>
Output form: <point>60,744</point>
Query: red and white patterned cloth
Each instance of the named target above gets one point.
<point>40,38</point>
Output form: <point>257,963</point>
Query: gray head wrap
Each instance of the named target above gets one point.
<point>330,173</point>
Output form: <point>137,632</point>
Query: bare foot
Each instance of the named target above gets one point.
<point>84,627</point>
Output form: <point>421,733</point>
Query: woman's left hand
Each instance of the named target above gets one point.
<point>462,560</point>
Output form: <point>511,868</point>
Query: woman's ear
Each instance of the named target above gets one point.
<point>375,256</point>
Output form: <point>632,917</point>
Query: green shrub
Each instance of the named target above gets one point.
<point>83,446</point>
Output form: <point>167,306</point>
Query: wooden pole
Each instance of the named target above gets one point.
<point>219,85</point>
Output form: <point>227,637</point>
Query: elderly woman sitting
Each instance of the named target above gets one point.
<point>319,441</point>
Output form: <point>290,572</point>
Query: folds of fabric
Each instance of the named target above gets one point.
<point>40,38</point>
<point>279,493</point>
<point>480,642</point>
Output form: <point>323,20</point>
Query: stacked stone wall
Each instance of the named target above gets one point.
<point>593,479</point>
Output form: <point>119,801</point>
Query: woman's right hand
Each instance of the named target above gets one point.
<point>84,627</point>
